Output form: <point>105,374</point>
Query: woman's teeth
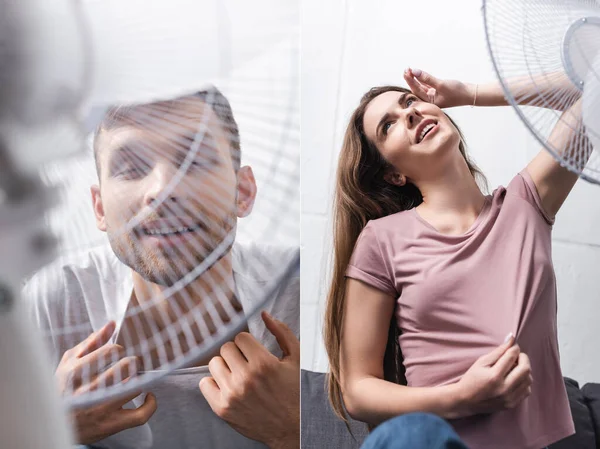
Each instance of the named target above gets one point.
<point>426,130</point>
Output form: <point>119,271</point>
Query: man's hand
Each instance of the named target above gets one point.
<point>254,391</point>
<point>83,368</point>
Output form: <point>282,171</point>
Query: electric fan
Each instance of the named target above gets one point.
<point>174,93</point>
<point>552,46</point>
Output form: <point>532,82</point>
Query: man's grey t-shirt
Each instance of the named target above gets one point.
<point>97,286</point>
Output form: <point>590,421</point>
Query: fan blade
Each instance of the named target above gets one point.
<point>591,104</point>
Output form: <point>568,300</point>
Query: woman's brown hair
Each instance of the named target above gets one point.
<point>361,195</point>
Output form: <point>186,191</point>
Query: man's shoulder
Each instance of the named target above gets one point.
<point>71,272</point>
<point>262,266</point>
<point>260,261</point>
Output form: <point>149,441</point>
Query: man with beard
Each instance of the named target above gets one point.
<point>170,191</point>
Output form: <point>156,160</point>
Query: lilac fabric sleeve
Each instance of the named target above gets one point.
<point>523,186</point>
<point>368,263</point>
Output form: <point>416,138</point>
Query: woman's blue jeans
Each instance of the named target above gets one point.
<point>414,431</point>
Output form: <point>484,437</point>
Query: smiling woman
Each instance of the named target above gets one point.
<point>416,321</point>
<point>375,168</point>
<point>395,134</point>
<point>382,191</point>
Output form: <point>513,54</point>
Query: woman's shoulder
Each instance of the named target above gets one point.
<point>386,229</point>
<point>524,189</point>
<point>392,221</point>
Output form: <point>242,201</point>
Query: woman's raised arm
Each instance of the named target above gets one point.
<point>557,90</point>
<point>552,181</point>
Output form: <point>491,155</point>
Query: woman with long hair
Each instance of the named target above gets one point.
<point>443,297</point>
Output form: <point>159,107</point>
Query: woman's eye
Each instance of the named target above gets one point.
<point>410,101</point>
<point>386,128</point>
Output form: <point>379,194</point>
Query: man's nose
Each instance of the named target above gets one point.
<point>163,185</point>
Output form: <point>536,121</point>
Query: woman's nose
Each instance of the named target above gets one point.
<point>412,117</point>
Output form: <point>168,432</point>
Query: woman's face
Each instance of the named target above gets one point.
<point>410,134</point>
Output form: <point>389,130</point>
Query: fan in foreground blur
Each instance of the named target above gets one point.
<point>151,66</point>
<point>60,57</point>
<point>551,43</point>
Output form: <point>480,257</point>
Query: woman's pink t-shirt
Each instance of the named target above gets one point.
<point>459,296</point>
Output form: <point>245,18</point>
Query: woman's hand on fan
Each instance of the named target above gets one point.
<point>442,93</point>
<point>254,391</point>
<point>82,369</point>
<point>497,381</point>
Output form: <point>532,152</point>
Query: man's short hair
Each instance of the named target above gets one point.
<point>119,116</point>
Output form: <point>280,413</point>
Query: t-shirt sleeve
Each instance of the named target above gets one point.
<point>34,294</point>
<point>40,295</point>
<point>523,186</point>
<point>369,264</point>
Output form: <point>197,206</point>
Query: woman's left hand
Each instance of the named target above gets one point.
<point>442,93</point>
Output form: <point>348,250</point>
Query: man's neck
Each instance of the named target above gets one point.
<point>187,310</point>
<point>216,281</point>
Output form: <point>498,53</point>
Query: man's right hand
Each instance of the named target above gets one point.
<point>83,368</point>
<point>497,381</point>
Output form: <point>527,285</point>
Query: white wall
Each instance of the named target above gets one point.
<point>349,46</point>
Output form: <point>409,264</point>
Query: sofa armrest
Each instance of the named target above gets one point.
<point>584,437</point>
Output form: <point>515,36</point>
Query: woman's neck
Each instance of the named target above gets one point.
<point>452,201</point>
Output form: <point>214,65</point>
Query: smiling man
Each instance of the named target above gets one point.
<point>170,191</point>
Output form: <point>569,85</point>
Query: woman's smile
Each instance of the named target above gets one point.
<point>426,128</point>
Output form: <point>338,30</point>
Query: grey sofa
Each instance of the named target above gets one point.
<point>322,429</point>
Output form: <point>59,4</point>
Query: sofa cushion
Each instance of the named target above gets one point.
<point>321,428</point>
<point>591,392</point>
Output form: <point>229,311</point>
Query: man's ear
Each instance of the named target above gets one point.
<point>394,178</point>
<point>246,191</point>
<point>98,208</point>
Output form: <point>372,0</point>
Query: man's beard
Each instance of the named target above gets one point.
<point>167,265</point>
